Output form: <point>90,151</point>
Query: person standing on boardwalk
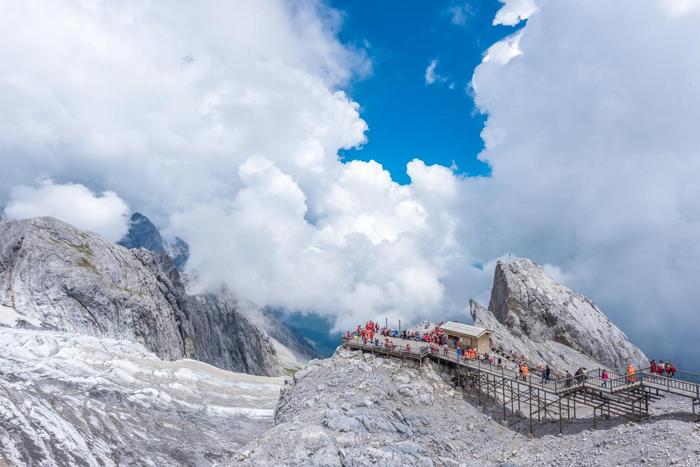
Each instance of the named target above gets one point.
<point>605,377</point>
<point>630,373</point>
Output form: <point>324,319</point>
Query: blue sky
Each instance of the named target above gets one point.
<point>408,118</point>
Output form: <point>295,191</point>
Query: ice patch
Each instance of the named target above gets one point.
<point>246,411</point>
<point>9,317</point>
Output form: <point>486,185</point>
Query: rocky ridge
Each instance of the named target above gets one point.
<point>533,314</point>
<point>56,277</point>
<point>356,409</point>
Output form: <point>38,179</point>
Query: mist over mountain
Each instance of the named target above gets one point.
<point>143,233</point>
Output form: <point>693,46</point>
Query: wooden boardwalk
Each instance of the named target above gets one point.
<point>554,399</point>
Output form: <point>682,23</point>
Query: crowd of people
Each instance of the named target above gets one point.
<point>662,369</point>
<point>372,331</point>
<point>437,340</point>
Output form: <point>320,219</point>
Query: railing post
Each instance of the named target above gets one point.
<point>561,422</point>
<point>530,400</point>
<point>595,424</point>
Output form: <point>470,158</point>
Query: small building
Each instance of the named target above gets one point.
<point>467,336</point>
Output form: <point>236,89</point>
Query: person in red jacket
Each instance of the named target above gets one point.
<point>670,369</point>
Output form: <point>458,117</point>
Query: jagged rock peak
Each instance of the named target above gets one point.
<point>144,234</point>
<point>536,309</point>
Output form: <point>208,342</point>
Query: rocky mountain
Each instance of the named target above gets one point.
<point>357,409</point>
<point>532,314</point>
<point>143,233</point>
<point>54,276</point>
<point>292,349</point>
<point>69,399</point>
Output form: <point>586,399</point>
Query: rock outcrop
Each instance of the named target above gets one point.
<point>357,409</point>
<point>56,277</point>
<point>144,234</point>
<point>531,313</point>
<point>292,351</point>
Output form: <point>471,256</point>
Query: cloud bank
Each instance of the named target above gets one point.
<point>106,214</point>
<point>594,151</point>
<point>223,122</point>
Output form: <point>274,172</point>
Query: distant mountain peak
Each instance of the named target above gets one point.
<point>144,234</point>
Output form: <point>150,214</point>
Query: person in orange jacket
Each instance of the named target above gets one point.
<point>630,373</point>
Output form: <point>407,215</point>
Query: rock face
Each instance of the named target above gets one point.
<point>291,349</point>
<point>356,409</point>
<point>532,313</point>
<point>67,399</point>
<point>143,234</point>
<point>54,276</point>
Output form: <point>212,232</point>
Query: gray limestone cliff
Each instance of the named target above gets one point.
<point>56,277</point>
<point>533,314</point>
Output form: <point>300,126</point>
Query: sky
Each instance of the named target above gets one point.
<point>410,115</point>
<point>367,162</point>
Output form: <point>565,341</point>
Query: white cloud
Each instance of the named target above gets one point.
<point>505,50</point>
<point>106,214</point>
<point>431,76</point>
<point>172,100</point>
<point>430,72</point>
<point>224,121</point>
<point>514,11</point>
<point>677,8</point>
<point>594,152</point>
<point>460,14</point>
<point>371,253</point>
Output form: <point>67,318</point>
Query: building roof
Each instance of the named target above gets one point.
<point>460,329</point>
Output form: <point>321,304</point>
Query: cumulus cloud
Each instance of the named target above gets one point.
<point>223,121</point>
<point>593,150</point>
<point>505,50</point>
<point>106,214</point>
<point>162,105</point>
<point>514,11</point>
<point>378,250</point>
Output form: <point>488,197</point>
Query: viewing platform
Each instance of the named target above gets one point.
<point>620,395</point>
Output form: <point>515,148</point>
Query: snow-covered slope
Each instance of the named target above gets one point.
<point>67,399</point>
<point>532,314</point>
